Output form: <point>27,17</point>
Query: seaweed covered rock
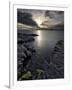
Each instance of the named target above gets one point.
<point>26,76</point>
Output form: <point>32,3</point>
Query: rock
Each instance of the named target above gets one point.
<point>26,76</point>
<point>23,34</point>
<point>29,53</point>
<point>22,55</point>
<point>25,39</point>
<point>40,71</point>
<point>58,54</point>
<point>19,63</point>
<point>21,48</point>
<point>21,59</point>
<point>20,41</point>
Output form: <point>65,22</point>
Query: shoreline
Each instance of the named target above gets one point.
<point>29,68</point>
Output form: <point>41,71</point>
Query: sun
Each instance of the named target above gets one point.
<point>38,21</point>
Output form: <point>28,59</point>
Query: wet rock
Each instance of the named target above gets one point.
<point>22,55</point>
<point>20,63</point>
<point>29,53</point>
<point>25,39</point>
<point>20,41</point>
<point>58,54</point>
<point>21,59</point>
<point>23,48</point>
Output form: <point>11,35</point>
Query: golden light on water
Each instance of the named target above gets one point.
<point>39,38</point>
<point>39,33</point>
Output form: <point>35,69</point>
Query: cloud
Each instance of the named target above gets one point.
<point>54,18</point>
<point>42,18</point>
<point>25,18</point>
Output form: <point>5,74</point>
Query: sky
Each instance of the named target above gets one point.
<point>40,18</point>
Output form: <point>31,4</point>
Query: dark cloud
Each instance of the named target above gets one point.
<point>25,18</point>
<point>41,18</point>
<point>54,18</point>
<point>52,14</point>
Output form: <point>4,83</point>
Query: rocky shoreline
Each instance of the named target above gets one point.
<point>52,67</point>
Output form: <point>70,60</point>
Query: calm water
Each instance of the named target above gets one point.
<point>45,42</point>
<point>48,38</point>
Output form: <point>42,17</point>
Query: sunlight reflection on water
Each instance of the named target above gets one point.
<point>40,35</point>
<point>39,38</point>
<point>48,38</point>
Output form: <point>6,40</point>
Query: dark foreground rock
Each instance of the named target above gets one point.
<point>58,54</point>
<point>58,58</point>
<point>24,53</point>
